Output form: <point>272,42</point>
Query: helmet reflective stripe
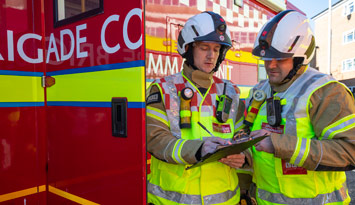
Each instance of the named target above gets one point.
<point>286,35</point>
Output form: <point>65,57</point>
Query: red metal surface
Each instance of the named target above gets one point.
<point>22,138</point>
<point>85,160</point>
<point>96,55</point>
<point>21,164</point>
<point>29,13</point>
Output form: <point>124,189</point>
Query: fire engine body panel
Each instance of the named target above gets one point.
<point>57,141</point>
<point>73,79</point>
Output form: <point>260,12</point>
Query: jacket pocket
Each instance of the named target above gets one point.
<point>295,182</point>
<point>172,177</point>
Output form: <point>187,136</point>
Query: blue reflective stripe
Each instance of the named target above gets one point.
<point>21,73</point>
<point>21,104</point>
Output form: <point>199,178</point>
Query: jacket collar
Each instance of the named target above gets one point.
<point>199,78</point>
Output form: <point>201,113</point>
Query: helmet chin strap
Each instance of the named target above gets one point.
<point>189,56</point>
<point>297,64</point>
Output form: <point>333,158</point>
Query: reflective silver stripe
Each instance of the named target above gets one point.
<point>199,99</point>
<point>321,154</point>
<point>309,85</point>
<point>193,109</point>
<point>297,96</point>
<point>338,127</point>
<point>173,113</point>
<point>153,112</point>
<point>177,153</point>
<point>302,150</point>
<point>205,114</point>
<point>191,199</point>
<point>335,196</point>
<point>221,197</point>
<point>207,109</point>
<point>239,124</point>
<point>174,196</point>
<point>296,110</point>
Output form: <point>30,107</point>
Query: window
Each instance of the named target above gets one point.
<point>69,11</point>
<point>349,8</point>
<point>348,65</point>
<point>349,37</point>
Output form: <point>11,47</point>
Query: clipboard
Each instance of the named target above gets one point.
<point>220,153</point>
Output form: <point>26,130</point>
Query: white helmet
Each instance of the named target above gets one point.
<point>206,26</point>
<point>286,35</point>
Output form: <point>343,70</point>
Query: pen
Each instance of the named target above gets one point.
<point>203,127</point>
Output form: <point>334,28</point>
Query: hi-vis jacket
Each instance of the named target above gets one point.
<point>173,148</point>
<point>314,144</point>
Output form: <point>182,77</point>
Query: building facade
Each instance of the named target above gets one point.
<point>341,55</point>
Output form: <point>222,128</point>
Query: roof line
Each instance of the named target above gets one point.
<point>326,9</point>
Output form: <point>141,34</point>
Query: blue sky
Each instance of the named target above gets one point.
<point>312,7</point>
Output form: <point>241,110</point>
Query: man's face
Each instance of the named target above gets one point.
<point>206,55</point>
<point>277,70</point>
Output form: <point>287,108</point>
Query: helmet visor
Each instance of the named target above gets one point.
<point>215,37</point>
<point>270,53</point>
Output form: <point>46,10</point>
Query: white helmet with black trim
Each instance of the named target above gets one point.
<point>286,35</point>
<point>208,27</point>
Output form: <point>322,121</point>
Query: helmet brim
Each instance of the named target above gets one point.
<point>270,53</point>
<point>216,38</point>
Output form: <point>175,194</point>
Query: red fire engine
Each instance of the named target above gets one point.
<point>72,78</point>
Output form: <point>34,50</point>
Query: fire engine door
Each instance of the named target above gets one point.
<point>96,109</point>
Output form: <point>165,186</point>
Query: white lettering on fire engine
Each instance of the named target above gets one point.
<point>71,36</point>
<point>10,45</point>
<point>155,67</point>
<point>20,51</point>
<point>107,48</point>
<point>52,47</point>
<point>78,42</point>
<point>128,42</point>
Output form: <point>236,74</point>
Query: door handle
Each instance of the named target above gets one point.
<point>119,116</point>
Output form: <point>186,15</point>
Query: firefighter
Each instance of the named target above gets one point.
<point>309,116</point>
<point>178,104</point>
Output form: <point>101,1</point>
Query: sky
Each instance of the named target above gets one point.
<point>312,7</point>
